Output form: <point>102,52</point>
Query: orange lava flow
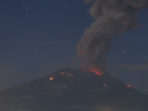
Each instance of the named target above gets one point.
<point>128,86</point>
<point>51,78</point>
<point>96,71</point>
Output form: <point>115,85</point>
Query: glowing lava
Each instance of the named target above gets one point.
<point>51,78</point>
<point>96,71</point>
<point>128,86</point>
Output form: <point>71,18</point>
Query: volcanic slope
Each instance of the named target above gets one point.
<point>74,90</point>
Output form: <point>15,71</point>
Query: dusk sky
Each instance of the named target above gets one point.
<point>37,36</point>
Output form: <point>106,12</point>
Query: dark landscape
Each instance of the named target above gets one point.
<point>74,90</point>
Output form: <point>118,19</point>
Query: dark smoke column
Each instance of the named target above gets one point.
<point>111,18</point>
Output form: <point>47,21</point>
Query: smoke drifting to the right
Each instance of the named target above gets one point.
<point>112,17</point>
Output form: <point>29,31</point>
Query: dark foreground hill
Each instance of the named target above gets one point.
<point>73,90</point>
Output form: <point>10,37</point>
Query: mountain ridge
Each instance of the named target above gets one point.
<point>70,89</point>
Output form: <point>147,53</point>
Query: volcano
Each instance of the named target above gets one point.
<point>74,90</point>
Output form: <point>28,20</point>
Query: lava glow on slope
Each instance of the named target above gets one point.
<point>51,78</point>
<point>128,86</point>
<point>96,71</point>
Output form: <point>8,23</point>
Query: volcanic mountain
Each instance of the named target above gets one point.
<point>74,90</point>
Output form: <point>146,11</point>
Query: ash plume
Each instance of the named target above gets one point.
<point>111,18</point>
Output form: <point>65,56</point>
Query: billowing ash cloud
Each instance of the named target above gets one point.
<point>112,17</point>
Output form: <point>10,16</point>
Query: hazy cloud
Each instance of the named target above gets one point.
<point>143,67</point>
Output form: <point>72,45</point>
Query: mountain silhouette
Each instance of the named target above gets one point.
<point>74,90</point>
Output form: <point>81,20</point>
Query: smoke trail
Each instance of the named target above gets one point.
<point>112,17</point>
